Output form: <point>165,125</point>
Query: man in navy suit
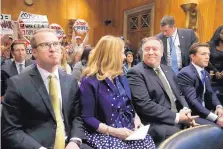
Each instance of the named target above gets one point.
<point>176,42</point>
<point>156,95</point>
<point>41,105</point>
<point>195,84</point>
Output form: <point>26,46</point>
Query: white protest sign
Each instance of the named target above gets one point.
<point>81,26</point>
<point>6,24</point>
<point>28,22</point>
<point>58,30</point>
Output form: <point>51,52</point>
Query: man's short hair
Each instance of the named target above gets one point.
<point>144,40</point>
<point>167,20</point>
<point>33,39</point>
<point>15,42</point>
<point>194,48</point>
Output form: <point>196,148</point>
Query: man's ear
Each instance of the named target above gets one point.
<point>192,56</point>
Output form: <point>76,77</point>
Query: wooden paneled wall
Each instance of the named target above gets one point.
<point>95,12</point>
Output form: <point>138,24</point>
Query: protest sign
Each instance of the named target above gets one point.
<point>81,26</point>
<point>28,23</point>
<point>6,24</point>
<point>58,30</point>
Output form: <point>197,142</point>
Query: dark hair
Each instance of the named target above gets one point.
<point>15,43</point>
<point>167,20</point>
<point>193,49</point>
<point>129,52</point>
<point>85,55</point>
<point>216,36</point>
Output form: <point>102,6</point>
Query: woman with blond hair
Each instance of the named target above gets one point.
<point>106,104</point>
<point>63,62</point>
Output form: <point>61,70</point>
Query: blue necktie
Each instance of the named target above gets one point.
<point>173,55</point>
<point>203,77</point>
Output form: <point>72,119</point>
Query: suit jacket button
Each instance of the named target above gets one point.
<point>55,126</point>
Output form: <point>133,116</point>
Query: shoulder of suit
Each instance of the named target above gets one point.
<point>184,30</point>
<point>6,67</point>
<point>186,70</point>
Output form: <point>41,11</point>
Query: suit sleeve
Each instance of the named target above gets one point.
<point>189,91</point>
<point>144,104</point>
<point>13,135</point>
<point>77,130</point>
<point>4,78</point>
<point>88,103</point>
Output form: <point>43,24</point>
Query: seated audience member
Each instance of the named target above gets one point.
<point>216,58</point>
<point>63,63</point>
<point>128,63</point>
<point>79,66</point>
<point>177,42</point>
<point>195,84</point>
<point>106,99</point>
<point>18,51</point>
<point>156,95</point>
<point>40,108</point>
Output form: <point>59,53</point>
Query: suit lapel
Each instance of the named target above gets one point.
<point>197,75</point>
<point>182,44</point>
<point>13,69</point>
<point>64,92</point>
<point>154,75</point>
<point>170,79</point>
<point>41,89</point>
<point>28,62</point>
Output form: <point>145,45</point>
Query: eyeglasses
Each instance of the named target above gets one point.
<point>47,45</point>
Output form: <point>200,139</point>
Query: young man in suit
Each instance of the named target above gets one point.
<point>195,84</point>
<point>41,105</point>
<point>155,93</point>
<point>176,43</point>
<point>18,51</point>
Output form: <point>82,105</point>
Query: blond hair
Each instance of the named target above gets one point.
<point>105,59</point>
<point>63,62</point>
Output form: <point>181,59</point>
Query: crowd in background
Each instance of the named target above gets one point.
<point>107,91</point>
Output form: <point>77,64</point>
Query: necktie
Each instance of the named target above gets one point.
<point>60,133</point>
<point>20,68</point>
<point>173,55</point>
<point>168,90</point>
<point>203,77</point>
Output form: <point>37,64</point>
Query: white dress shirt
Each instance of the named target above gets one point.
<point>17,64</point>
<point>176,44</point>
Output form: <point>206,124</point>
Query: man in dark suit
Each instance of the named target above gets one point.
<point>18,50</point>
<point>195,84</point>
<point>41,105</point>
<point>176,43</point>
<point>156,96</point>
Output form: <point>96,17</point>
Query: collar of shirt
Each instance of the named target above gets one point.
<point>175,38</point>
<point>156,68</point>
<point>17,63</point>
<point>198,68</point>
<point>45,74</point>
